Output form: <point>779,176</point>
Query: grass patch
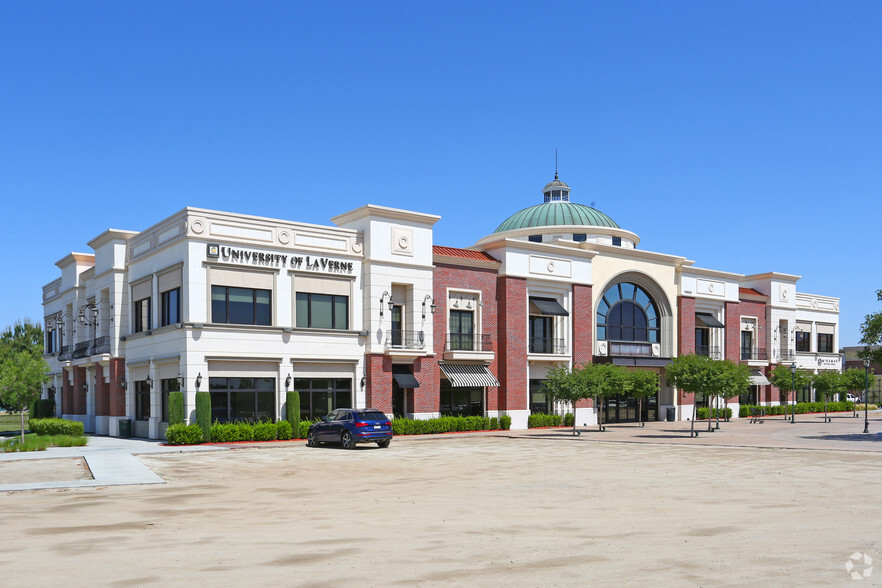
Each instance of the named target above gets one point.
<point>11,422</point>
<point>41,442</point>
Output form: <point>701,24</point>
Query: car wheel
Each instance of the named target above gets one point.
<point>384,444</point>
<point>347,441</point>
<point>311,440</point>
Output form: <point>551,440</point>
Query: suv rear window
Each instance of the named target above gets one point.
<point>373,415</point>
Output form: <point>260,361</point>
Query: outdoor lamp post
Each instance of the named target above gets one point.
<point>793,386</point>
<point>866,394</point>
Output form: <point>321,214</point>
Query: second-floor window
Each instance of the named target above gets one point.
<point>241,306</point>
<point>746,344</point>
<point>322,311</point>
<point>803,341</point>
<point>171,307</point>
<point>462,330</point>
<point>143,311</point>
<point>825,343</point>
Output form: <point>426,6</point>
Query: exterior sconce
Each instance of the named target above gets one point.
<point>287,382</point>
<point>198,381</point>
<point>51,390</point>
<point>124,384</point>
<point>391,302</point>
<point>431,306</point>
<point>180,381</point>
<point>85,387</point>
<point>149,382</point>
<point>363,382</point>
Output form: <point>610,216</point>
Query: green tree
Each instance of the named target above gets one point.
<point>22,367</point>
<point>871,334</point>
<point>734,381</point>
<point>695,374</point>
<point>828,383</point>
<point>563,385</point>
<point>608,381</point>
<point>782,379</point>
<point>644,384</point>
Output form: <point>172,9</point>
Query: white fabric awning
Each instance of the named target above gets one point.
<point>468,374</point>
<point>758,379</point>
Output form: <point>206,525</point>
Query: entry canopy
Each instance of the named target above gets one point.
<point>549,306</point>
<point>758,379</point>
<point>709,320</point>
<point>468,374</point>
<point>404,376</point>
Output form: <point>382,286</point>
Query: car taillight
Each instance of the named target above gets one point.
<point>360,425</point>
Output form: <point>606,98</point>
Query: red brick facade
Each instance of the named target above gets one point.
<point>117,394</point>
<point>102,392</point>
<point>512,354</point>
<point>79,395</point>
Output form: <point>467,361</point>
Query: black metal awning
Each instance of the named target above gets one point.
<point>468,374</point>
<point>549,306</point>
<point>404,376</point>
<point>708,320</point>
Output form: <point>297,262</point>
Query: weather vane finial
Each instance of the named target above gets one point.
<point>555,163</point>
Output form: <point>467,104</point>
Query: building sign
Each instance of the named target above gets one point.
<point>261,258</point>
<point>828,361</point>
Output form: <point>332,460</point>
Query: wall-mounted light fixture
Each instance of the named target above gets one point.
<point>123,384</point>
<point>363,382</point>
<point>149,382</point>
<point>180,381</point>
<point>288,382</point>
<point>51,390</point>
<point>198,381</point>
<point>431,306</point>
<point>391,302</point>
<point>85,387</point>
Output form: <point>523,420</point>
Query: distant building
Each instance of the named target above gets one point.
<point>370,312</point>
<point>851,360</point>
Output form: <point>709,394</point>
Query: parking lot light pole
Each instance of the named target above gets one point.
<point>867,395</point>
<point>793,386</point>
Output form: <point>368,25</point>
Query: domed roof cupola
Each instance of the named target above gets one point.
<point>556,190</point>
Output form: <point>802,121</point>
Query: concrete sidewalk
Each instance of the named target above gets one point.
<point>110,460</point>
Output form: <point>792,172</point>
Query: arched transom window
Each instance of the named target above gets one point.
<point>627,313</point>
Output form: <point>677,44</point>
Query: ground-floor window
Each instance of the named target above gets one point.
<point>319,396</point>
<point>750,397</point>
<point>168,385</point>
<point>804,394</point>
<point>624,409</point>
<point>539,402</point>
<point>242,399</point>
<point>142,400</point>
<point>461,401</point>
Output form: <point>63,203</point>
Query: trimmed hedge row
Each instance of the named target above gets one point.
<point>801,408</point>
<point>56,427</point>
<point>41,408</point>
<point>543,420</point>
<point>262,431</point>
<point>723,413</point>
<point>449,424</point>
<point>181,434</point>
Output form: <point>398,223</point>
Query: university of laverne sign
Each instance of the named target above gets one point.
<point>261,258</point>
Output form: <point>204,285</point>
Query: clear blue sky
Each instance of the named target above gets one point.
<point>746,136</point>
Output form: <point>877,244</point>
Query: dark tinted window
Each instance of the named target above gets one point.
<point>372,415</point>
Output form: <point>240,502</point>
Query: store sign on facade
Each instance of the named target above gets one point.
<point>300,262</point>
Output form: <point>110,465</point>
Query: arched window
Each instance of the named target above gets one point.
<point>627,313</point>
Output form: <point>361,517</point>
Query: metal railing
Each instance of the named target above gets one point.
<point>401,339</point>
<point>81,349</point>
<point>66,353</point>
<point>630,349</point>
<point>101,345</point>
<point>547,345</point>
<point>708,351</point>
<point>754,354</point>
<point>786,355</point>
<point>468,342</point>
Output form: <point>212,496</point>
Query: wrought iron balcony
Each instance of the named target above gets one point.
<point>547,345</point>
<point>66,353</point>
<point>82,349</point>
<point>786,355</point>
<point>101,345</point>
<point>754,354</point>
<point>401,339</point>
<point>708,351</point>
<point>468,342</point>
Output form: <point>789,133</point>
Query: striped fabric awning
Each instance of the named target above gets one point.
<point>468,374</point>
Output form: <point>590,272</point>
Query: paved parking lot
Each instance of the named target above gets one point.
<point>629,506</point>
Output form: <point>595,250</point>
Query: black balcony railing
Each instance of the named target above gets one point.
<point>401,339</point>
<point>468,342</point>
<point>754,354</point>
<point>708,351</point>
<point>547,345</point>
<point>101,345</point>
<point>81,349</point>
<point>786,355</point>
<point>66,353</point>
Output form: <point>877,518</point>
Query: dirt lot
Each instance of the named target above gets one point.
<point>550,509</point>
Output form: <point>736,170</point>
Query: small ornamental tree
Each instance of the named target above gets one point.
<point>734,381</point>
<point>828,383</point>
<point>783,380</point>
<point>643,384</point>
<point>696,374</point>
<point>562,385</point>
<point>611,381</point>
<point>22,367</point>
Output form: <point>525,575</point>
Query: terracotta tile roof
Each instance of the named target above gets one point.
<point>461,253</point>
<point>750,292</point>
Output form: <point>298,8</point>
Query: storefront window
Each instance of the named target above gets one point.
<point>319,396</point>
<point>168,385</point>
<point>242,399</point>
<point>461,401</point>
<point>539,402</point>
<point>142,400</point>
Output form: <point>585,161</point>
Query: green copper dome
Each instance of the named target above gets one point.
<point>556,213</point>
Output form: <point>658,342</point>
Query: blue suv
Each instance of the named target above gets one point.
<point>350,426</point>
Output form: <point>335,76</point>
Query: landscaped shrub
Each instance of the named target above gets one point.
<point>445,424</point>
<point>723,413</point>
<point>292,411</point>
<point>56,427</point>
<point>505,422</point>
<point>181,434</point>
<point>45,408</point>
<point>494,423</point>
<point>543,420</point>
<point>265,431</point>
<point>304,427</point>
<point>801,408</point>
<point>175,408</point>
<point>569,419</point>
<point>203,413</point>
<point>231,432</point>
<point>284,430</point>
